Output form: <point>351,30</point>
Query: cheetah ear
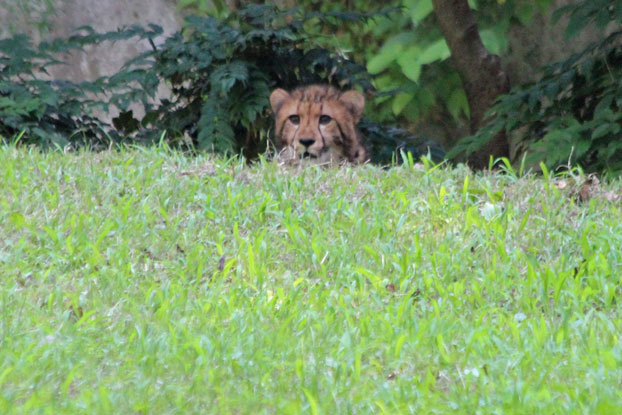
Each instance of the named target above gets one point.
<point>355,101</point>
<point>278,98</point>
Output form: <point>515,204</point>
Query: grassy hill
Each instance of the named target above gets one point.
<point>143,282</point>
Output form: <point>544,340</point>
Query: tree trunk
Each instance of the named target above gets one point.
<point>483,77</point>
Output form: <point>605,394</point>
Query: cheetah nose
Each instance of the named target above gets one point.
<point>307,141</point>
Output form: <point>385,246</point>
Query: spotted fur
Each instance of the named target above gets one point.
<point>319,122</point>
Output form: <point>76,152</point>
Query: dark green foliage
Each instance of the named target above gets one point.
<point>54,113</point>
<point>583,13</point>
<point>387,143</point>
<point>573,113</point>
<point>220,74</point>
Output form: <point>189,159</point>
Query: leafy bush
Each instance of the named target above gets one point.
<point>55,113</point>
<point>220,74</point>
<point>414,57</point>
<point>386,144</point>
<point>573,113</point>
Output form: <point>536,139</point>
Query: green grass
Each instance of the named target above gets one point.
<point>143,282</point>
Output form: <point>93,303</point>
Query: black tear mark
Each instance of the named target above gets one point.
<point>319,129</point>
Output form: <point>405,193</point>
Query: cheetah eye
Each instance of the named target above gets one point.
<point>325,119</point>
<point>294,119</point>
